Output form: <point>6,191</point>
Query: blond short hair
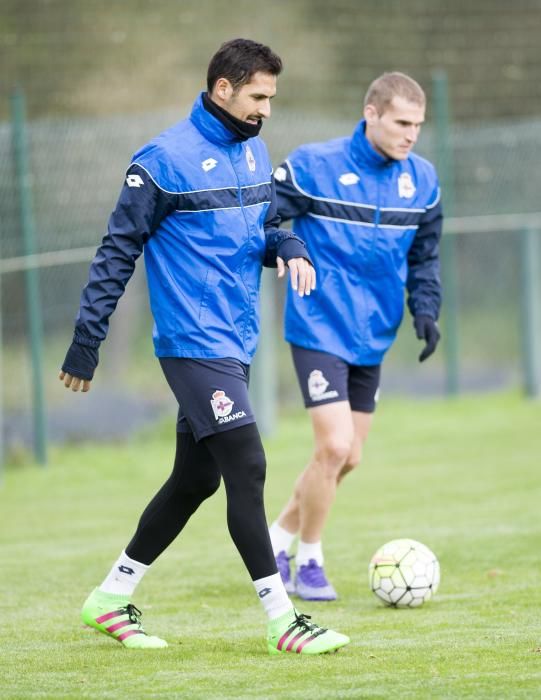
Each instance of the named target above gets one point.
<point>382,90</point>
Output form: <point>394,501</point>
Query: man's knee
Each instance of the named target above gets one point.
<point>352,462</point>
<point>253,470</point>
<point>241,458</point>
<point>354,458</point>
<point>209,486</point>
<point>195,474</point>
<point>333,453</point>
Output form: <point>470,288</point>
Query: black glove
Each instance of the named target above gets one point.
<point>81,361</point>
<point>427,330</point>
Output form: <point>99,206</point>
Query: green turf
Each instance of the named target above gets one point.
<point>462,476</point>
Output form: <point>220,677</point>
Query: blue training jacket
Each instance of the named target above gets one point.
<point>372,226</point>
<point>203,207</point>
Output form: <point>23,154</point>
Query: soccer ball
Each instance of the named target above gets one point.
<point>404,574</point>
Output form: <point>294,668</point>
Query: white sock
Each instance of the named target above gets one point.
<point>273,596</point>
<point>281,539</point>
<point>307,551</point>
<point>124,576</point>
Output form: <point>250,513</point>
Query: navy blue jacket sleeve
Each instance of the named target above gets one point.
<point>140,208</point>
<point>280,242</point>
<point>292,203</point>
<point>423,283</point>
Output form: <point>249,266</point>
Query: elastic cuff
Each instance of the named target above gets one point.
<point>293,248</point>
<point>85,340</point>
<point>429,313</point>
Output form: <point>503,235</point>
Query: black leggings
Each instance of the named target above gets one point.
<point>236,455</point>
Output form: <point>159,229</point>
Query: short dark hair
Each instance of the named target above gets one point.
<point>237,61</point>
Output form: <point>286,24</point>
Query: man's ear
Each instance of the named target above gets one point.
<point>222,89</point>
<point>370,114</point>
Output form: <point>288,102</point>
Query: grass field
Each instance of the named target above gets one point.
<point>462,476</point>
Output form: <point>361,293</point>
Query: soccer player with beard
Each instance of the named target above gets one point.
<point>199,201</point>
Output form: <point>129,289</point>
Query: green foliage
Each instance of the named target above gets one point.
<point>461,476</point>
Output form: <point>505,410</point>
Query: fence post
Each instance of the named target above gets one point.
<point>530,268</point>
<point>444,162</point>
<point>33,300</point>
<point>263,377</point>
<point>2,452</point>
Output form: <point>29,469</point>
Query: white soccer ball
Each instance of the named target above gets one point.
<point>404,573</point>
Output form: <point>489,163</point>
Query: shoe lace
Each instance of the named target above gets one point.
<point>301,621</point>
<point>133,613</point>
<point>313,574</point>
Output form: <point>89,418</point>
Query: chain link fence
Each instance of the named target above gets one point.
<point>75,169</point>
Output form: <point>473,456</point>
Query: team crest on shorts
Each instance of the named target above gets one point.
<point>222,407</point>
<point>317,386</point>
<point>221,404</point>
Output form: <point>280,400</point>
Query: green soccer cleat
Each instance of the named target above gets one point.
<point>295,634</point>
<point>116,617</point>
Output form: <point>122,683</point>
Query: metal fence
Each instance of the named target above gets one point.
<point>59,179</point>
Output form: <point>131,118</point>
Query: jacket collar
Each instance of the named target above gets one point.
<point>210,126</point>
<point>362,151</point>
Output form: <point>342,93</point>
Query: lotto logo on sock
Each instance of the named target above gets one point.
<point>264,591</point>
<point>126,570</point>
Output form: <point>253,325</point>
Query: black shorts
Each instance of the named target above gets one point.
<point>212,394</point>
<point>325,378</point>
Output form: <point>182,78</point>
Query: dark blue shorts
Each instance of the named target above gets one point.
<point>325,378</point>
<point>212,394</point>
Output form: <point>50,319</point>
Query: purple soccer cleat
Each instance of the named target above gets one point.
<point>282,562</point>
<point>311,583</point>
